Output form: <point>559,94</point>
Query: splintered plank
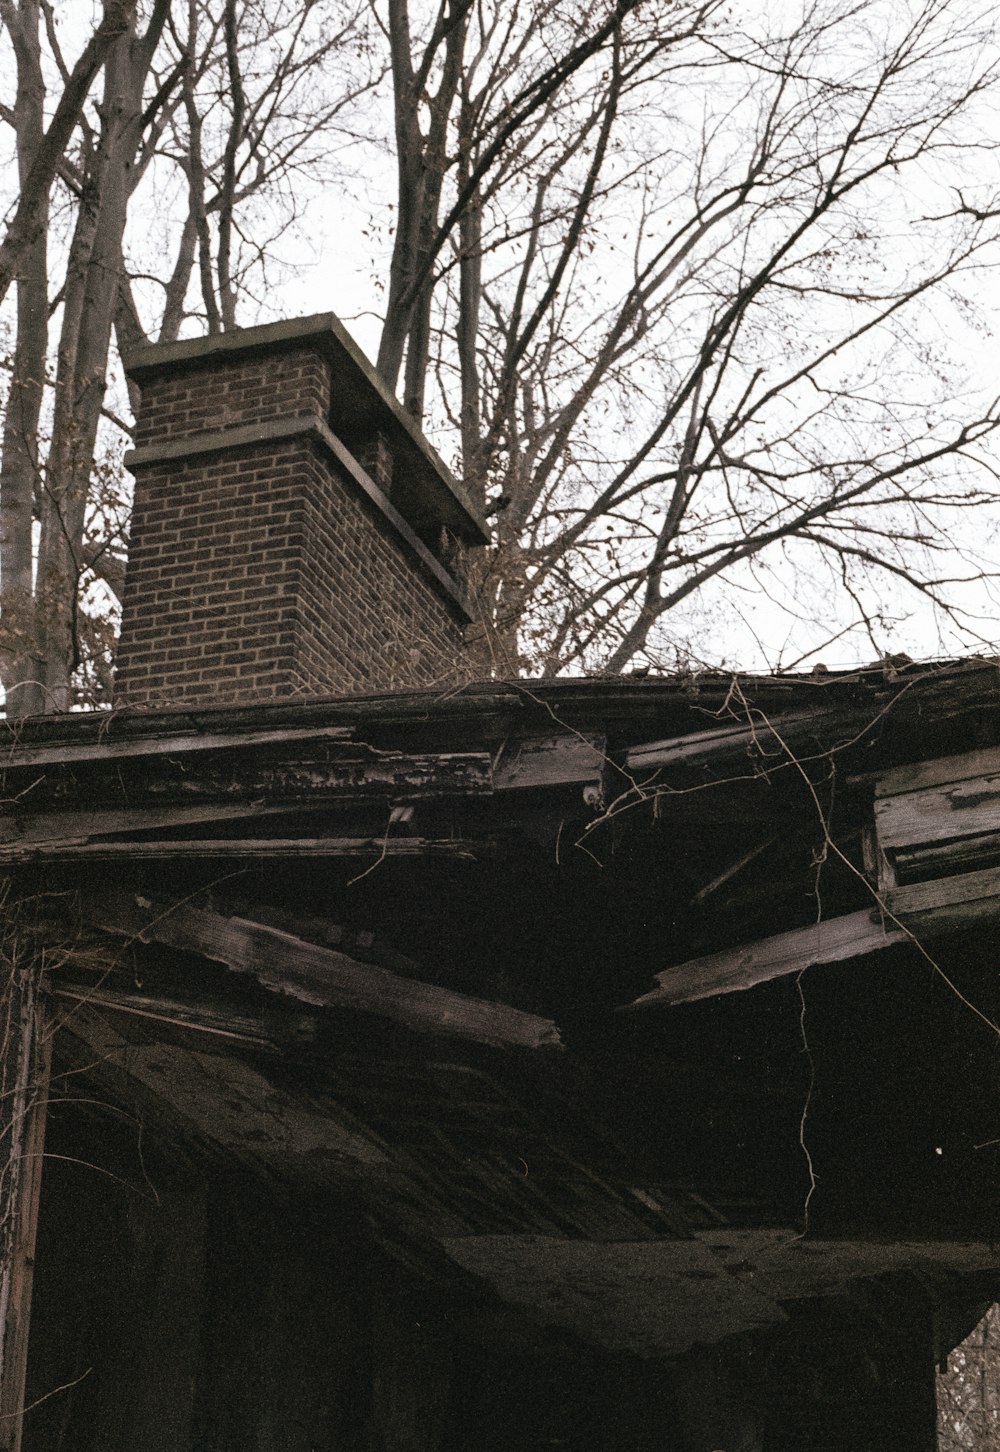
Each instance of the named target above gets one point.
<point>323,977</point>
<point>736,969</point>
<point>198,1018</point>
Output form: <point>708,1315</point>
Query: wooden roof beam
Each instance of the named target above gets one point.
<point>200,848</point>
<point>324,977</point>
<point>735,969</point>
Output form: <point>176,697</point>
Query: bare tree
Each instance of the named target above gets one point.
<point>41,148</point>
<point>663,283</point>
<point>677,316</point>
<point>218,104</point>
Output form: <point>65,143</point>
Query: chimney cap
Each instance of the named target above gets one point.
<point>361,401</point>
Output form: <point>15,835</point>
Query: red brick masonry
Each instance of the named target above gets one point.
<point>264,562</point>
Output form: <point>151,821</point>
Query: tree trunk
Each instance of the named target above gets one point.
<point>19,476</point>
<point>92,299</point>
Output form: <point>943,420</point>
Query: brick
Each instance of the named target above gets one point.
<point>264,571</point>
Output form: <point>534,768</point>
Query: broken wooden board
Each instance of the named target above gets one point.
<point>940,817</point>
<point>736,969</point>
<point>565,759</point>
<point>336,771</point>
<point>250,847</point>
<point>111,748</point>
<point>655,1299</point>
<point>323,977</point>
<point>193,1018</point>
<point>947,904</point>
<point>756,739</point>
<point>233,1103</point>
<point>81,826</point>
<point>796,1267</point>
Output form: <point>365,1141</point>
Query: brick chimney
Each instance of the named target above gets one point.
<point>293,533</point>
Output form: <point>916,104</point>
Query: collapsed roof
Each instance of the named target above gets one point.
<point>475,960</point>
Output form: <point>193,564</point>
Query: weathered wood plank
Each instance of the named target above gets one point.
<point>348,772</point>
<point>566,759</point>
<point>948,903</point>
<point>114,749</point>
<point>196,1017</point>
<point>945,859</point>
<point>85,826</point>
<point>944,813</point>
<point>322,976</point>
<point>232,1102</point>
<point>735,969</point>
<point>694,747</point>
<point>110,851</point>
<point>331,773</point>
<point>938,772</point>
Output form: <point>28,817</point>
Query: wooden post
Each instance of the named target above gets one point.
<point>25,1061</point>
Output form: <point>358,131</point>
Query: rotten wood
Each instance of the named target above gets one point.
<point>938,772</point>
<point>756,738</point>
<point>948,904</point>
<point>199,1018</point>
<point>76,826</point>
<point>879,871</point>
<point>735,969</point>
<point>334,772</point>
<point>230,1101</point>
<point>945,859</point>
<point>24,1078</point>
<point>949,812</point>
<point>323,977</point>
<point>111,748</point>
<point>566,759</point>
<point>358,943</point>
<point>110,851</point>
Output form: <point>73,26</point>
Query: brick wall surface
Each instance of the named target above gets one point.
<point>263,571</point>
<point>222,394</point>
<point>382,622</point>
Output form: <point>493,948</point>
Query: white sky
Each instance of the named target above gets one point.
<point>337,258</point>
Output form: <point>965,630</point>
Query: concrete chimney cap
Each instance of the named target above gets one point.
<point>362,404</point>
